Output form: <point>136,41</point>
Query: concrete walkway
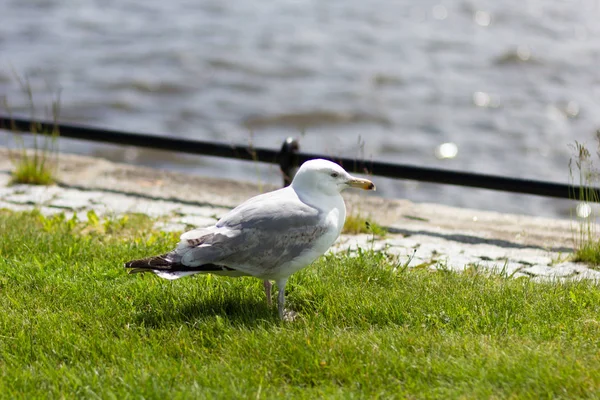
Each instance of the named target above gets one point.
<point>425,235</point>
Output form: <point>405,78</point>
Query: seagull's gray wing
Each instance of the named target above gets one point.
<point>258,235</point>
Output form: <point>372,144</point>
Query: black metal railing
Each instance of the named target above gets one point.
<point>289,156</point>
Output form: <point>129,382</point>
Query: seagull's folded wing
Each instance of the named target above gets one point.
<point>258,235</point>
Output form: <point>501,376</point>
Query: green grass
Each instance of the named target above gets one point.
<point>356,223</point>
<point>588,252</point>
<point>75,325</point>
<point>32,170</point>
<point>37,165</point>
<point>583,174</point>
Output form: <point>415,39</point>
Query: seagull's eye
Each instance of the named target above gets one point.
<point>334,174</point>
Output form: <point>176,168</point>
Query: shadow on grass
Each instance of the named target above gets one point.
<point>239,312</point>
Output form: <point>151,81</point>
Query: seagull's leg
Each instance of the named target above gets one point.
<point>268,286</point>
<point>281,297</point>
<point>285,315</point>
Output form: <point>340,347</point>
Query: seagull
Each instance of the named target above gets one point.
<point>269,236</point>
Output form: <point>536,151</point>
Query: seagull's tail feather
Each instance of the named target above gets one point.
<point>164,262</point>
<point>169,266</point>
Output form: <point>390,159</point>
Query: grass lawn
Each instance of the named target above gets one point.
<point>74,324</point>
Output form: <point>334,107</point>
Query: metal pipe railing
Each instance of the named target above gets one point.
<point>289,156</point>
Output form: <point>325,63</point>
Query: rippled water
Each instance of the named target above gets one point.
<point>509,83</point>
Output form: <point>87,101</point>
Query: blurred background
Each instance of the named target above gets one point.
<point>498,87</point>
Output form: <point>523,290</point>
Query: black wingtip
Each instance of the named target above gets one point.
<point>151,263</point>
<point>167,263</point>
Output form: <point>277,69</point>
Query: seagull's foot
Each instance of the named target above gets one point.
<point>289,315</point>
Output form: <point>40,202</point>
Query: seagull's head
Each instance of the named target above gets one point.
<point>327,177</point>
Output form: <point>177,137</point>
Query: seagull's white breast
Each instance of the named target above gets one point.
<point>334,211</point>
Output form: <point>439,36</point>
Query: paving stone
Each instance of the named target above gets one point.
<point>416,261</point>
<point>572,267</point>
<point>4,190</point>
<point>115,204</point>
<point>459,261</point>
<point>588,274</point>
<point>400,251</point>
<point>15,207</point>
<point>196,221</point>
<point>72,200</point>
<point>541,270</point>
<point>402,242</point>
<point>170,226</point>
<point>351,242</point>
<point>508,268</point>
<point>154,208</point>
<point>205,211</point>
<point>35,195</point>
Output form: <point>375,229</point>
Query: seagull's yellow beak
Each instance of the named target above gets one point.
<point>364,184</point>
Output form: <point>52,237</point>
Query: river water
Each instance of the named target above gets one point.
<point>509,84</point>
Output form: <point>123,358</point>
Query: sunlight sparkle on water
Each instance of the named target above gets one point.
<point>583,210</point>
<point>482,18</point>
<point>481,99</point>
<point>446,150</point>
<point>572,109</point>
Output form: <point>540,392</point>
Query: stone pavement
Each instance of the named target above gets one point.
<point>421,235</point>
